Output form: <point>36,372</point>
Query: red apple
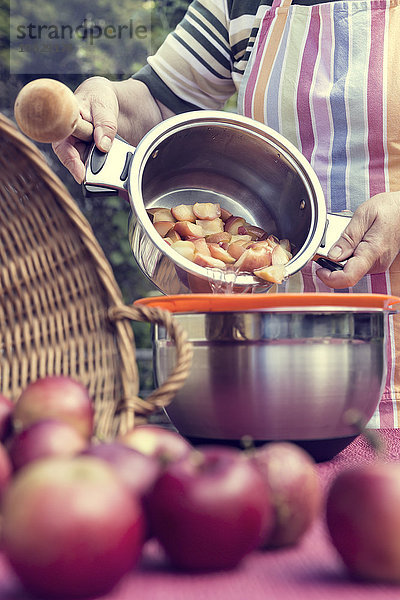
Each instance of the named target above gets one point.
<point>363,520</point>
<point>153,440</point>
<point>5,469</point>
<point>58,397</point>
<point>6,409</point>
<point>70,528</point>
<point>210,509</point>
<point>294,490</point>
<point>137,470</point>
<point>43,439</point>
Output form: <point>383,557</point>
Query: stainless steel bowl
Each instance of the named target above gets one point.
<point>313,375</point>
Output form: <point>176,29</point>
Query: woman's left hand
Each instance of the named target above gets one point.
<point>370,242</point>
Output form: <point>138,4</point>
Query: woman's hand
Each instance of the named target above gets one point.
<point>370,242</point>
<point>99,105</point>
<point>124,106</point>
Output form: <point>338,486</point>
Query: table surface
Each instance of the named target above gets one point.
<point>310,571</point>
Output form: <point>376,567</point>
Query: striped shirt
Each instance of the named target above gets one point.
<point>201,63</point>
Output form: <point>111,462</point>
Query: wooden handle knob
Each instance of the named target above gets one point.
<point>46,110</point>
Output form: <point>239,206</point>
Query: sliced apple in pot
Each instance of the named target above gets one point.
<point>163,227</point>
<point>188,230</point>
<point>184,212</point>
<point>254,258</point>
<point>233,223</point>
<point>210,226</point>
<point>161,214</point>
<point>208,261</point>
<point>273,273</point>
<point>206,210</point>
<point>217,252</point>
<point>185,248</point>
<point>202,246</point>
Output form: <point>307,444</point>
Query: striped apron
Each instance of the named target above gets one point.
<point>327,77</point>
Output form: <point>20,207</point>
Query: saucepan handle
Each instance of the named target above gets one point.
<point>336,223</point>
<point>107,173</point>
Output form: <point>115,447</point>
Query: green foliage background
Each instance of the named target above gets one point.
<point>107,216</point>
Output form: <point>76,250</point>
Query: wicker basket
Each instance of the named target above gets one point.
<point>61,310</point>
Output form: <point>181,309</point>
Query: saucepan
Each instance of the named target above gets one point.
<point>305,368</point>
<point>218,157</point>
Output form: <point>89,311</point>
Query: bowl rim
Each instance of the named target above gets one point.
<point>204,303</point>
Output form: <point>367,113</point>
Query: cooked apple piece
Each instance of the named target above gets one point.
<point>188,230</point>
<point>173,235</point>
<point>236,249</point>
<point>286,244</point>
<point>160,214</point>
<point>201,246</point>
<point>185,248</point>
<point>208,261</point>
<point>163,227</point>
<point>225,214</point>
<point>207,210</point>
<point>279,255</point>
<point>218,252</point>
<point>183,212</point>
<point>256,233</point>
<point>241,239</point>
<point>209,227</point>
<point>254,258</point>
<point>261,244</point>
<point>217,238</point>
<point>233,223</point>
<point>272,240</point>
<point>273,274</point>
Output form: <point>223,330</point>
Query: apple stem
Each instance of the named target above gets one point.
<point>247,443</point>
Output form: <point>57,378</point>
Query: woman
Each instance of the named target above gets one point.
<point>326,76</point>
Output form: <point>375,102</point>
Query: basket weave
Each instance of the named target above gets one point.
<point>61,310</point>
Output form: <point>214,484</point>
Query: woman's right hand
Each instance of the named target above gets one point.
<point>98,104</point>
<point>126,106</point>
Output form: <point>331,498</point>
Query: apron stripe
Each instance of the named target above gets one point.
<point>310,54</point>
<point>340,67</point>
<point>275,38</point>
<point>375,107</point>
<point>255,67</point>
<point>357,179</point>
<point>288,121</point>
<point>393,94</point>
<point>323,125</point>
<point>272,107</point>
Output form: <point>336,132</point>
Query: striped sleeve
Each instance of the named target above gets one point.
<point>193,67</point>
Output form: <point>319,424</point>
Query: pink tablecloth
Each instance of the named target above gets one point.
<point>311,571</point>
